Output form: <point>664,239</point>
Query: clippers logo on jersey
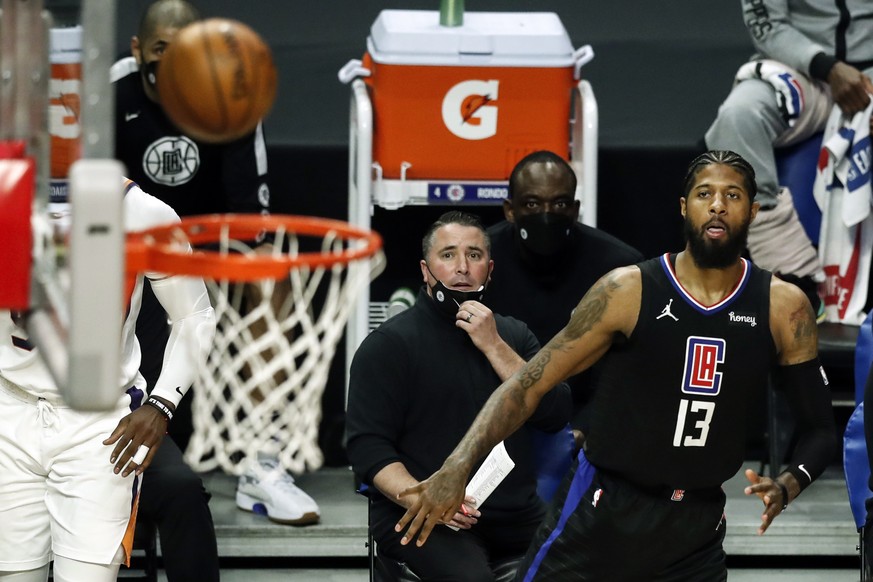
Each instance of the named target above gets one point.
<point>702,358</point>
<point>468,109</point>
<point>171,161</point>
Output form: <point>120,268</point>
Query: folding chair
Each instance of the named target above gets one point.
<point>856,462</point>
<point>857,467</point>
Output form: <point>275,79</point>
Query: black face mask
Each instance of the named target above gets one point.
<point>545,233</point>
<point>449,300</point>
<point>149,72</point>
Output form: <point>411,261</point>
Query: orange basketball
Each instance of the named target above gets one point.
<point>217,80</point>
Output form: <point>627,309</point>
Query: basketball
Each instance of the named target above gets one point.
<point>217,80</point>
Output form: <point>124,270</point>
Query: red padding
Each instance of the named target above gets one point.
<point>16,197</point>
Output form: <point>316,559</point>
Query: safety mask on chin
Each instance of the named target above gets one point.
<point>449,300</point>
<point>149,72</point>
<point>545,233</point>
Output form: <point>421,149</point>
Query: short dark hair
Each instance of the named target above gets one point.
<point>178,13</point>
<point>724,157</point>
<point>453,217</point>
<point>538,157</point>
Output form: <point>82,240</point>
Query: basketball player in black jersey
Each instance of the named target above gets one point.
<point>687,342</point>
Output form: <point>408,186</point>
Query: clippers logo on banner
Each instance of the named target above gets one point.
<point>702,358</point>
<point>469,111</point>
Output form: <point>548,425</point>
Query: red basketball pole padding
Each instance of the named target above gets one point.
<point>16,238</point>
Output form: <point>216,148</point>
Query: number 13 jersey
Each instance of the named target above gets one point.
<point>673,400</point>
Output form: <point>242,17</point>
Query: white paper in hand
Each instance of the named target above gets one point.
<point>493,470</point>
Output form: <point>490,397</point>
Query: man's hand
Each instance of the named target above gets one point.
<point>145,426</point>
<point>850,88</point>
<point>467,515</point>
<point>478,321</point>
<point>439,498</point>
<point>770,493</point>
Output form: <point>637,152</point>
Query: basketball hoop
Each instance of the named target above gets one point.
<point>281,309</point>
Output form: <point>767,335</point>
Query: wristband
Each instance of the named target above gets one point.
<point>163,408</point>
<point>784,495</point>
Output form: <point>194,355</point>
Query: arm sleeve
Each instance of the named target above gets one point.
<point>805,388</point>
<point>556,407</point>
<point>775,37</point>
<point>376,407</point>
<point>244,174</point>
<point>192,327</point>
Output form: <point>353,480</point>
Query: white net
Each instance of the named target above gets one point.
<point>261,387</point>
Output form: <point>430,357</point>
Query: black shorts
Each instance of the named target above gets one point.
<point>602,528</point>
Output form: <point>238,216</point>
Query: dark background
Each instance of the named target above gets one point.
<point>660,71</point>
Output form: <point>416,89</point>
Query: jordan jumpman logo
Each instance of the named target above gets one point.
<point>666,311</point>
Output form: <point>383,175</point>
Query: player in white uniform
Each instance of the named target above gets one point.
<point>69,479</point>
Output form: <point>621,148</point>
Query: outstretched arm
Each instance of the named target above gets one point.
<point>610,306</point>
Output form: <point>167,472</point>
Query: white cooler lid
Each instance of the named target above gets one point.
<point>497,39</point>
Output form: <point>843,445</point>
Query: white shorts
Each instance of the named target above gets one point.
<point>58,492</point>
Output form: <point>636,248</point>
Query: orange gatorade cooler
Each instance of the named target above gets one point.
<point>65,89</point>
<point>467,102</point>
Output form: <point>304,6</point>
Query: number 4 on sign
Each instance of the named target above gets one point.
<point>702,425</point>
<point>436,192</point>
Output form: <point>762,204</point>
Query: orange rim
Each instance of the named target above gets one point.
<point>158,250</point>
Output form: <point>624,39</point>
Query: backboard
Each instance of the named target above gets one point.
<point>67,280</point>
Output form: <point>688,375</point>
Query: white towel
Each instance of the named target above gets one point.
<point>843,192</point>
<point>789,95</point>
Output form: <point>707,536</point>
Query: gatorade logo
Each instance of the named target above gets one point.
<point>63,118</point>
<point>64,107</point>
<point>469,111</point>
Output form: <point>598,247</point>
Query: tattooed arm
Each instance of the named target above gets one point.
<point>611,306</point>
<point>802,380</point>
<point>792,323</point>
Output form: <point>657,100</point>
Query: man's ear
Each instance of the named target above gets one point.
<point>577,205</point>
<point>135,49</point>
<point>508,213</point>
<point>682,206</point>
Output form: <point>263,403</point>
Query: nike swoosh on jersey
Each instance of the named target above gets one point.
<point>131,116</point>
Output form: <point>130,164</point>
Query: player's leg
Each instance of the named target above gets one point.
<point>36,575</point>
<point>25,531</point>
<point>67,570</point>
<point>750,123</point>
<point>90,506</point>
<point>174,499</point>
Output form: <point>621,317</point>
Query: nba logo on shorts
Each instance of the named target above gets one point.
<point>678,495</point>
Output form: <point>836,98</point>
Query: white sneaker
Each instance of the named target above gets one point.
<point>267,489</point>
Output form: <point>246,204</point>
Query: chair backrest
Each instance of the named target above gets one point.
<point>795,166</point>
<point>856,464</point>
<point>863,356</point>
<point>554,453</point>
